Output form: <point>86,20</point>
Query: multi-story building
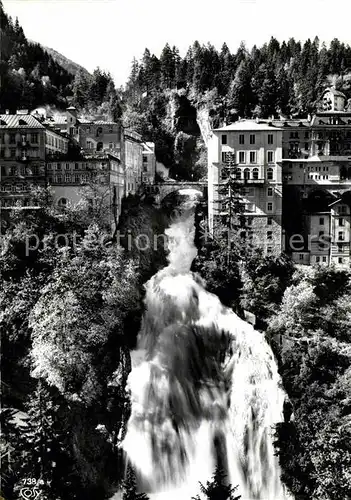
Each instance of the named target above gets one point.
<point>133,160</point>
<point>69,178</point>
<point>256,151</point>
<point>149,163</point>
<point>24,144</point>
<point>108,137</point>
<point>311,178</point>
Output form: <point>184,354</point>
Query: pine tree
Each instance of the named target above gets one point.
<point>129,487</point>
<point>231,201</point>
<point>41,443</point>
<point>217,489</point>
<point>81,86</point>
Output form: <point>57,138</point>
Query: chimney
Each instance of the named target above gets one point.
<point>7,111</point>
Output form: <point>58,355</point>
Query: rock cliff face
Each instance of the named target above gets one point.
<point>204,123</point>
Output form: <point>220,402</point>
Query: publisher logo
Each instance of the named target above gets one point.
<point>29,493</point>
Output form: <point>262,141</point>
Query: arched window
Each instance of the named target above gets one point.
<point>270,174</point>
<point>62,203</point>
<point>99,146</point>
<point>247,174</point>
<point>255,173</point>
<point>99,131</point>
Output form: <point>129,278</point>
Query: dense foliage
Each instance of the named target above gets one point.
<point>29,75</point>
<point>311,336</point>
<point>163,95</point>
<point>67,292</point>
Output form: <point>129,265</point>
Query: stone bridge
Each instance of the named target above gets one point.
<point>163,189</point>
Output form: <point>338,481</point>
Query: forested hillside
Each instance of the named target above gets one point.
<point>68,64</point>
<point>31,77</point>
<point>163,95</point>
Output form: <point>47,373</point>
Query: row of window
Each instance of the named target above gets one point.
<point>14,170</point>
<point>249,174</point>
<point>246,157</point>
<point>13,188</point>
<point>250,207</point>
<point>68,178</point>
<point>68,166</point>
<point>250,192</point>
<point>20,153</point>
<point>252,139</point>
<point>23,137</point>
<point>100,145</point>
<point>55,142</point>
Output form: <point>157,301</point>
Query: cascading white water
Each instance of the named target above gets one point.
<point>204,387</point>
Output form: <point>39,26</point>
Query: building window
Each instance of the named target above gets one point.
<point>270,192</point>
<point>110,145</point>
<point>252,156</point>
<point>13,152</point>
<point>49,166</point>
<point>76,179</point>
<point>324,258</point>
<point>317,259</point>
<point>269,221</point>
<point>34,138</point>
<point>249,221</point>
<point>301,256</point>
<point>269,206</point>
<point>252,139</point>
<point>224,138</point>
<point>241,139</point>
<point>144,158</point>
<point>67,178</point>
<point>247,174</point>
<point>255,173</point>
<point>58,167</point>
<point>269,249</point>
<point>341,222</point>
<point>270,174</point>
<point>269,235</point>
<point>241,156</point>
<point>67,166</point>
<point>340,260</point>
<point>321,221</point>
<point>12,138</point>
<point>99,146</point>
<point>270,138</point>
<point>342,209</point>
<point>340,236</point>
<point>270,156</point>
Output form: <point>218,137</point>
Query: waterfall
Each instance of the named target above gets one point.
<point>204,387</point>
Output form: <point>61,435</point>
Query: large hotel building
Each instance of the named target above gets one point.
<point>295,181</point>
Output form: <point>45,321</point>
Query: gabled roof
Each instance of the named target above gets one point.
<point>19,121</point>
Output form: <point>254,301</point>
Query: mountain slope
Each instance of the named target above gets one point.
<point>66,63</point>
